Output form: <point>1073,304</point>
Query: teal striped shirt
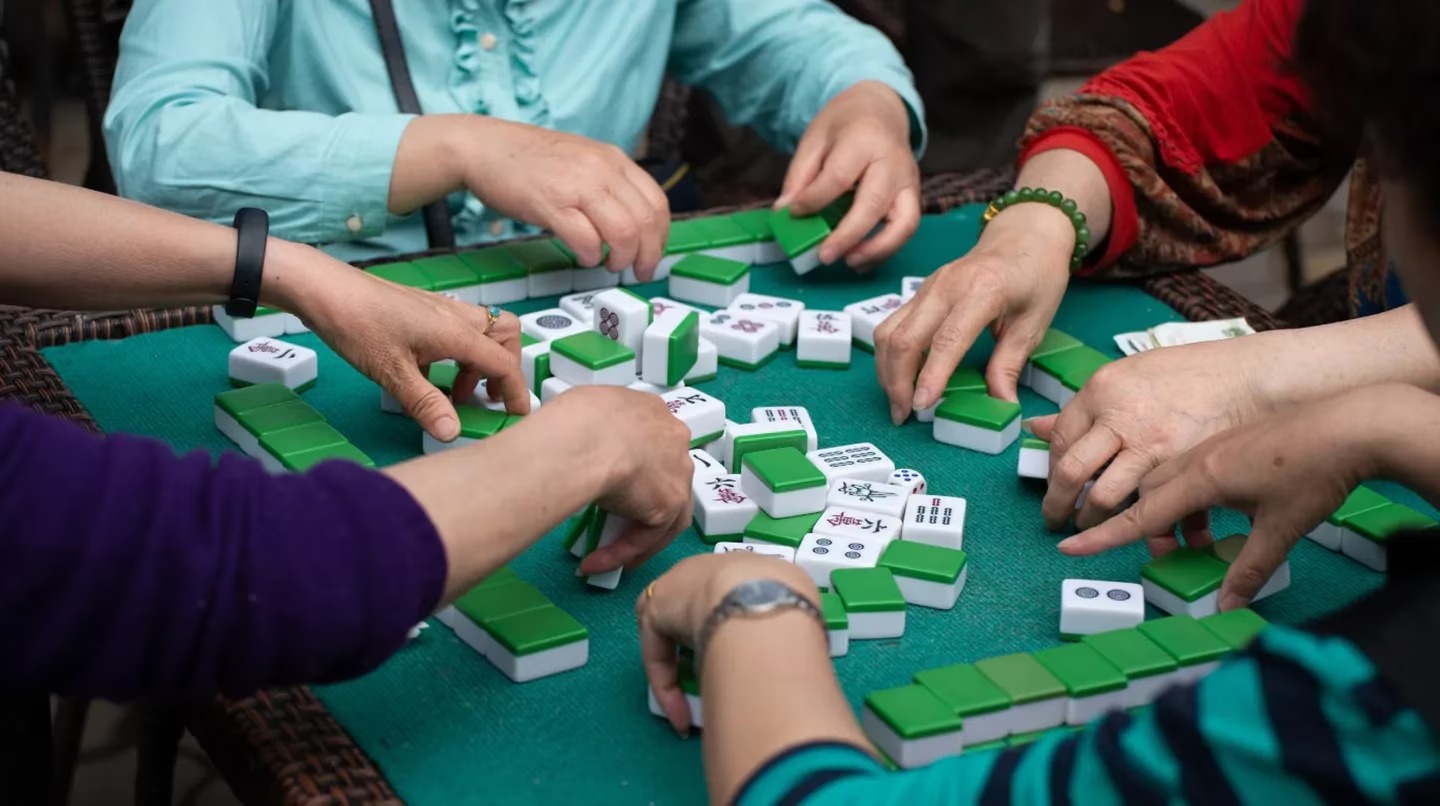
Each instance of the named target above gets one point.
<point>1296,719</point>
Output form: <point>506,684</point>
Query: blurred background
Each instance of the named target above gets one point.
<point>981,66</point>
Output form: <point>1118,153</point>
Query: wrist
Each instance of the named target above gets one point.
<point>1378,427</point>
<point>1036,229</point>
<point>297,278</point>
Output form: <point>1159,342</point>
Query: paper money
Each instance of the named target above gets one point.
<point>1173,334</point>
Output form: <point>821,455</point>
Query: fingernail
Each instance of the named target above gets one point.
<point>447,428</point>
<point>1067,543</point>
<point>1232,601</point>
<point>1028,424</point>
<point>580,573</point>
<point>924,398</point>
<point>895,416</point>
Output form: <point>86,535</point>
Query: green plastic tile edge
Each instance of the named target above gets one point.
<point>238,401</point>
<point>303,461</point>
<point>784,470</point>
<point>592,350</point>
<point>805,364</point>
<point>709,269</point>
<point>301,438</point>
<point>711,540</point>
<point>978,410</point>
<point>684,348</point>
<point>706,440</point>
<point>965,689</point>
<point>1022,677</point>
<point>537,630</point>
<point>1188,573</point>
<point>906,558</point>
<point>912,711</point>
<point>832,609</point>
<point>738,364</point>
<point>871,590</point>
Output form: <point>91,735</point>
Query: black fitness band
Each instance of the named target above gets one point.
<point>252,229</point>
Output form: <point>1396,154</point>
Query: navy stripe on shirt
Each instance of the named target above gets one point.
<point>1309,749</point>
<point>813,782</point>
<point>1131,785</point>
<point>1062,769</point>
<point>1002,773</point>
<point>1177,717</point>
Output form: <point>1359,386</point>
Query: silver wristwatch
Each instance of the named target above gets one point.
<point>753,598</point>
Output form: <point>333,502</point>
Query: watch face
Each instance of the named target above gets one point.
<point>759,593</point>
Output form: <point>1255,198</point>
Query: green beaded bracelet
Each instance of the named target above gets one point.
<point>1055,199</point>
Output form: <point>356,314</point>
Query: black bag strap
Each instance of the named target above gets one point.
<point>438,228</point>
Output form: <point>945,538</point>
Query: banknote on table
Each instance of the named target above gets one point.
<point>1172,334</point>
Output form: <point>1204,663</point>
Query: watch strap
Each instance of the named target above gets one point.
<point>252,230</point>
<point>730,606</point>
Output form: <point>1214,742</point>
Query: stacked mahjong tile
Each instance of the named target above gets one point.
<point>517,628</point>
<point>1187,580</point>
<point>1363,525</point>
<point>871,534</point>
<point>270,422</point>
<point>1015,699</point>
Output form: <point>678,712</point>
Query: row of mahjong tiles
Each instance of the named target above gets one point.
<point>710,255</point>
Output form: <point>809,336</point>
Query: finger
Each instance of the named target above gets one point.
<point>466,381</point>
<point>1195,528</point>
<point>840,171</point>
<point>1160,545</point>
<point>426,404</point>
<point>948,346</point>
<point>1154,515</point>
<point>657,654</point>
<point>635,545</point>
<point>653,225</point>
<point>501,366</point>
<point>1114,487</point>
<point>804,166</point>
<point>1042,427</point>
<point>579,235</point>
<point>1270,542</point>
<point>884,333</point>
<point>874,196</point>
<point>900,223</point>
<point>899,355</point>
<point>1069,473</point>
<point>1012,350</point>
<point>682,521</point>
<point>617,227</point>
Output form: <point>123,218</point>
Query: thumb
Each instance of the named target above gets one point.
<point>1264,552</point>
<point>428,405</point>
<point>1002,375</point>
<point>1041,427</point>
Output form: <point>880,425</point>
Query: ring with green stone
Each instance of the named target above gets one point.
<point>492,314</point>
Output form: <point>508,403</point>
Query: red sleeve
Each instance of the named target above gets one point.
<point>1214,96</point>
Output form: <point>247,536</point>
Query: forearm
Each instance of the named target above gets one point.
<point>132,256</point>
<point>747,724</point>
<point>1290,367</point>
<point>1395,427</point>
<point>488,517</point>
<point>132,572</point>
<point>430,163</point>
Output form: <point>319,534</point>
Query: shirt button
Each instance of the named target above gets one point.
<point>355,223</point>
<point>497,227</point>
<point>488,41</point>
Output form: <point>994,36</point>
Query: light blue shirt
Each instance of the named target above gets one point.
<point>286,104</point>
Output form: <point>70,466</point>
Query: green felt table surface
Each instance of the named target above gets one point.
<point>446,727</point>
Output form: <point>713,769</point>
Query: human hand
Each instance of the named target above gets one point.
<point>1141,411</point>
<point>674,608</point>
<point>860,140</point>
<point>1013,281</point>
<point>589,193</point>
<point>645,451</point>
<point>1288,471</point>
<point>392,334</point>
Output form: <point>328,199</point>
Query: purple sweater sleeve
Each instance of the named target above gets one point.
<point>127,571</point>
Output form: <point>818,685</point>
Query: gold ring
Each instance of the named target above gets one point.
<point>492,314</point>
<point>650,591</point>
